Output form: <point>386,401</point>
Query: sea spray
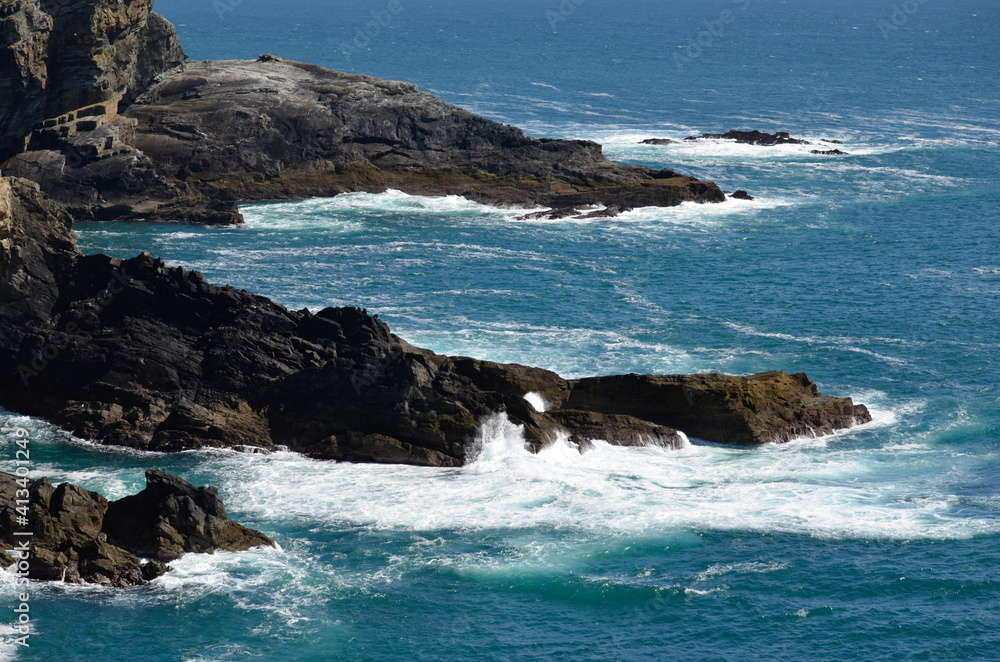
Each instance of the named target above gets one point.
<point>497,442</point>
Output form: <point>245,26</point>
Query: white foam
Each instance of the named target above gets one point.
<point>537,401</point>
<point>341,212</point>
<point>834,490</point>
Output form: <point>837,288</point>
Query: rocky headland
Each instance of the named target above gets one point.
<point>81,537</point>
<point>113,123</point>
<point>136,353</point>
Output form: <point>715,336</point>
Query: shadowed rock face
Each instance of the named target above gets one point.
<point>63,56</point>
<point>79,536</point>
<point>138,354</point>
<point>172,517</point>
<point>104,118</point>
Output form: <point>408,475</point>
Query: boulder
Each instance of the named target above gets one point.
<point>80,537</point>
<point>68,543</point>
<point>172,517</point>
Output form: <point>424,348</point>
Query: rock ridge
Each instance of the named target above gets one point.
<point>140,354</point>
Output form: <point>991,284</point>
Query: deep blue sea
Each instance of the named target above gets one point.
<point>877,273</point>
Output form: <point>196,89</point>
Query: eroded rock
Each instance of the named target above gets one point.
<point>81,537</point>
<point>136,353</point>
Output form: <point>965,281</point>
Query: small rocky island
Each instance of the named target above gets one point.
<point>107,121</point>
<point>81,537</point>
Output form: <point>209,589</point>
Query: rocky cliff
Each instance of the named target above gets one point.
<point>139,354</point>
<point>79,536</point>
<point>104,117</point>
<point>61,57</point>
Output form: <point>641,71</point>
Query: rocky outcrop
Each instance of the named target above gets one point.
<point>79,536</point>
<point>741,195</point>
<point>753,138</point>
<point>139,354</point>
<point>59,57</point>
<point>104,119</point>
<point>767,407</point>
<point>658,141</point>
<point>172,517</point>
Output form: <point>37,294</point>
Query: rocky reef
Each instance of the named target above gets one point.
<point>135,353</point>
<point>110,121</point>
<point>753,138</point>
<point>79,536</point>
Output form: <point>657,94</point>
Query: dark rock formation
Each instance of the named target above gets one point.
<point>102,116</point>
<point>753,138</point>
<point>138,354</point>
<point>172,517</point>
<point>659,141</point>
<point>586,426</point>
<point>771,406</point>
<point>742,195</point>
<point>575,213</point>
<point>832,152</point>
<point>81,537</point>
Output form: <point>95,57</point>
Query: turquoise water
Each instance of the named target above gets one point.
<point>877,273</point>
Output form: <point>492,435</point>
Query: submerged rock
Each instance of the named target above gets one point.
<point>832,152</point>
<point>659,141</point>
<point>139,354</point>
<point>753,138</point>
<point>79,536</point>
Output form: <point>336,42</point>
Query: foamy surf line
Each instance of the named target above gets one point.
<point>271,214</point>
<point>686,213</point>
<point>830,491</point>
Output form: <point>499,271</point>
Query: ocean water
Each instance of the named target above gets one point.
<point>877,273</point>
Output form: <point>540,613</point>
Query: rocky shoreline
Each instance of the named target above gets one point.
<point>81,537</point>
<point>138,354</point>
<point>109,122</point>
<point>120,126</point>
